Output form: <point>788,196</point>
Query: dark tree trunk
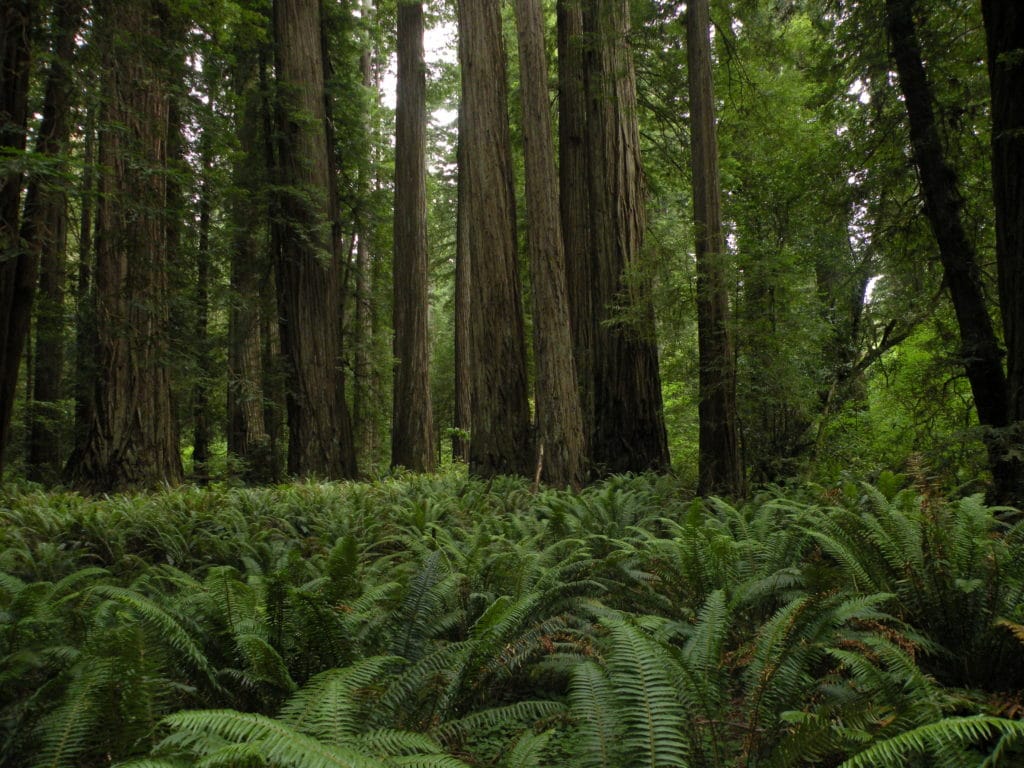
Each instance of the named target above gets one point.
<point>500,414</point>
<point>720,468</point>
<point>629,428</point>
<point>18,269</point>
<point>943,205</point>
<point>412,425</point>
<point>366,380</point>
<point>463,394</point>
<point>307,269</point>
<point>44,234</point>
<point>1004,29</point>
<point>574,204</point>
<point>86,344</point>
<point>201,422</point>
<point>561,446</point>
<point>132,440</point>
<point>246,433</point>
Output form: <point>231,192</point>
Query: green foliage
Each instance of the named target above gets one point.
<point>435,621</point>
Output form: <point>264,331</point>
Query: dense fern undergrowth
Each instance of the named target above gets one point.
<point>439,621</point>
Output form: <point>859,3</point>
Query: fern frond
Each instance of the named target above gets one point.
<point>593,707</point>
<point>528,750</point>
<point>513,716</point>
<point>958,730</point>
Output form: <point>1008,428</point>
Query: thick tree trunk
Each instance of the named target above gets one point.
<point>463,393</point>
<point>1004,29</point>
<point>132,440</point>
<point>500,441</point>
<point>246,431</point>
<point>201,421</point>
<point>307,269</point>
<point>86,345</point>
<point>943,205</point>
<point>629,428</point>
<point>562,449</point>
<point>412,425</point>
<point>18,269</point>
<point>720,468</point>
<point>44,235</point>
<point>574,203</point>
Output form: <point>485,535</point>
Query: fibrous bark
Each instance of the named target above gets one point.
<point>500,439</point>
<point>720,469</point>
<point>559,419</point>
<point>412,426</point>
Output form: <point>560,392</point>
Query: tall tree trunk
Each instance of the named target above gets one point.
<point>944,207</point>
<point>412,425</point>
<point>246,433</point>
<point>201,422</point>
<point>44,234</point>
<point>500,414</point>
<point>574,203</point>
<point>720,468</point>
<point>463,362</point>
<point>1004,30</point>
<point>86,344</point>
<point>559,419</point>
<point>365,377</point>
<point>18,269</point>
<point>307,269</point>
<point>629,426</point>
<point>132,440</point>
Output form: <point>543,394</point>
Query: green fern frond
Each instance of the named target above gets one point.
<point>276,741</point>
<point>512,716</point>
<point>957,730</point>
<point>70,730</point>
<point>528,750</point>
<point>647,700</point>
<point>592,698</point>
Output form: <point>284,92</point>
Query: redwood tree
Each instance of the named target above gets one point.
<point>412,425</point>
<point>629,427</point>
<point>307,269</point>
<point>1004,30</point>
<point>500,414</point>
<point>720,468</point>
<point>561,446</point>
<point>132,438</point>
<point>17,267</point>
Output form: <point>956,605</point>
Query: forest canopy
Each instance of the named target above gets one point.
<point>749,242</point>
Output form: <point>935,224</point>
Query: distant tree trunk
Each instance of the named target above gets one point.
<point>132,440</point>
<point>629,427</point>
<point>18,269</point>
<point>365,378</point>
<point>86,344</point>
<point>574,204</point>
<point>201,431</point>
<point>320,439</point>
<point>559,419</point>
<point>412,425</point>
<point>720,468</point>
<point>246,433</point>
<point>1004,29</point>
<point>463,394</point>
<point>944,207</point>
<point>500,418</point>
<point>44,234</point>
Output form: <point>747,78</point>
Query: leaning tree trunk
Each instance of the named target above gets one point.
<point>307,269</point>
<point>561,446</point>
<point>1004,29</point>
<point>44,234</point>
<point>17,268</point>
<point>944,207</point>
<point>574,204</point>
<point>412,424</point>
<point>629,427</point>
<point>132,440</point>
<point>720,468</point>
<point>500,414</point>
